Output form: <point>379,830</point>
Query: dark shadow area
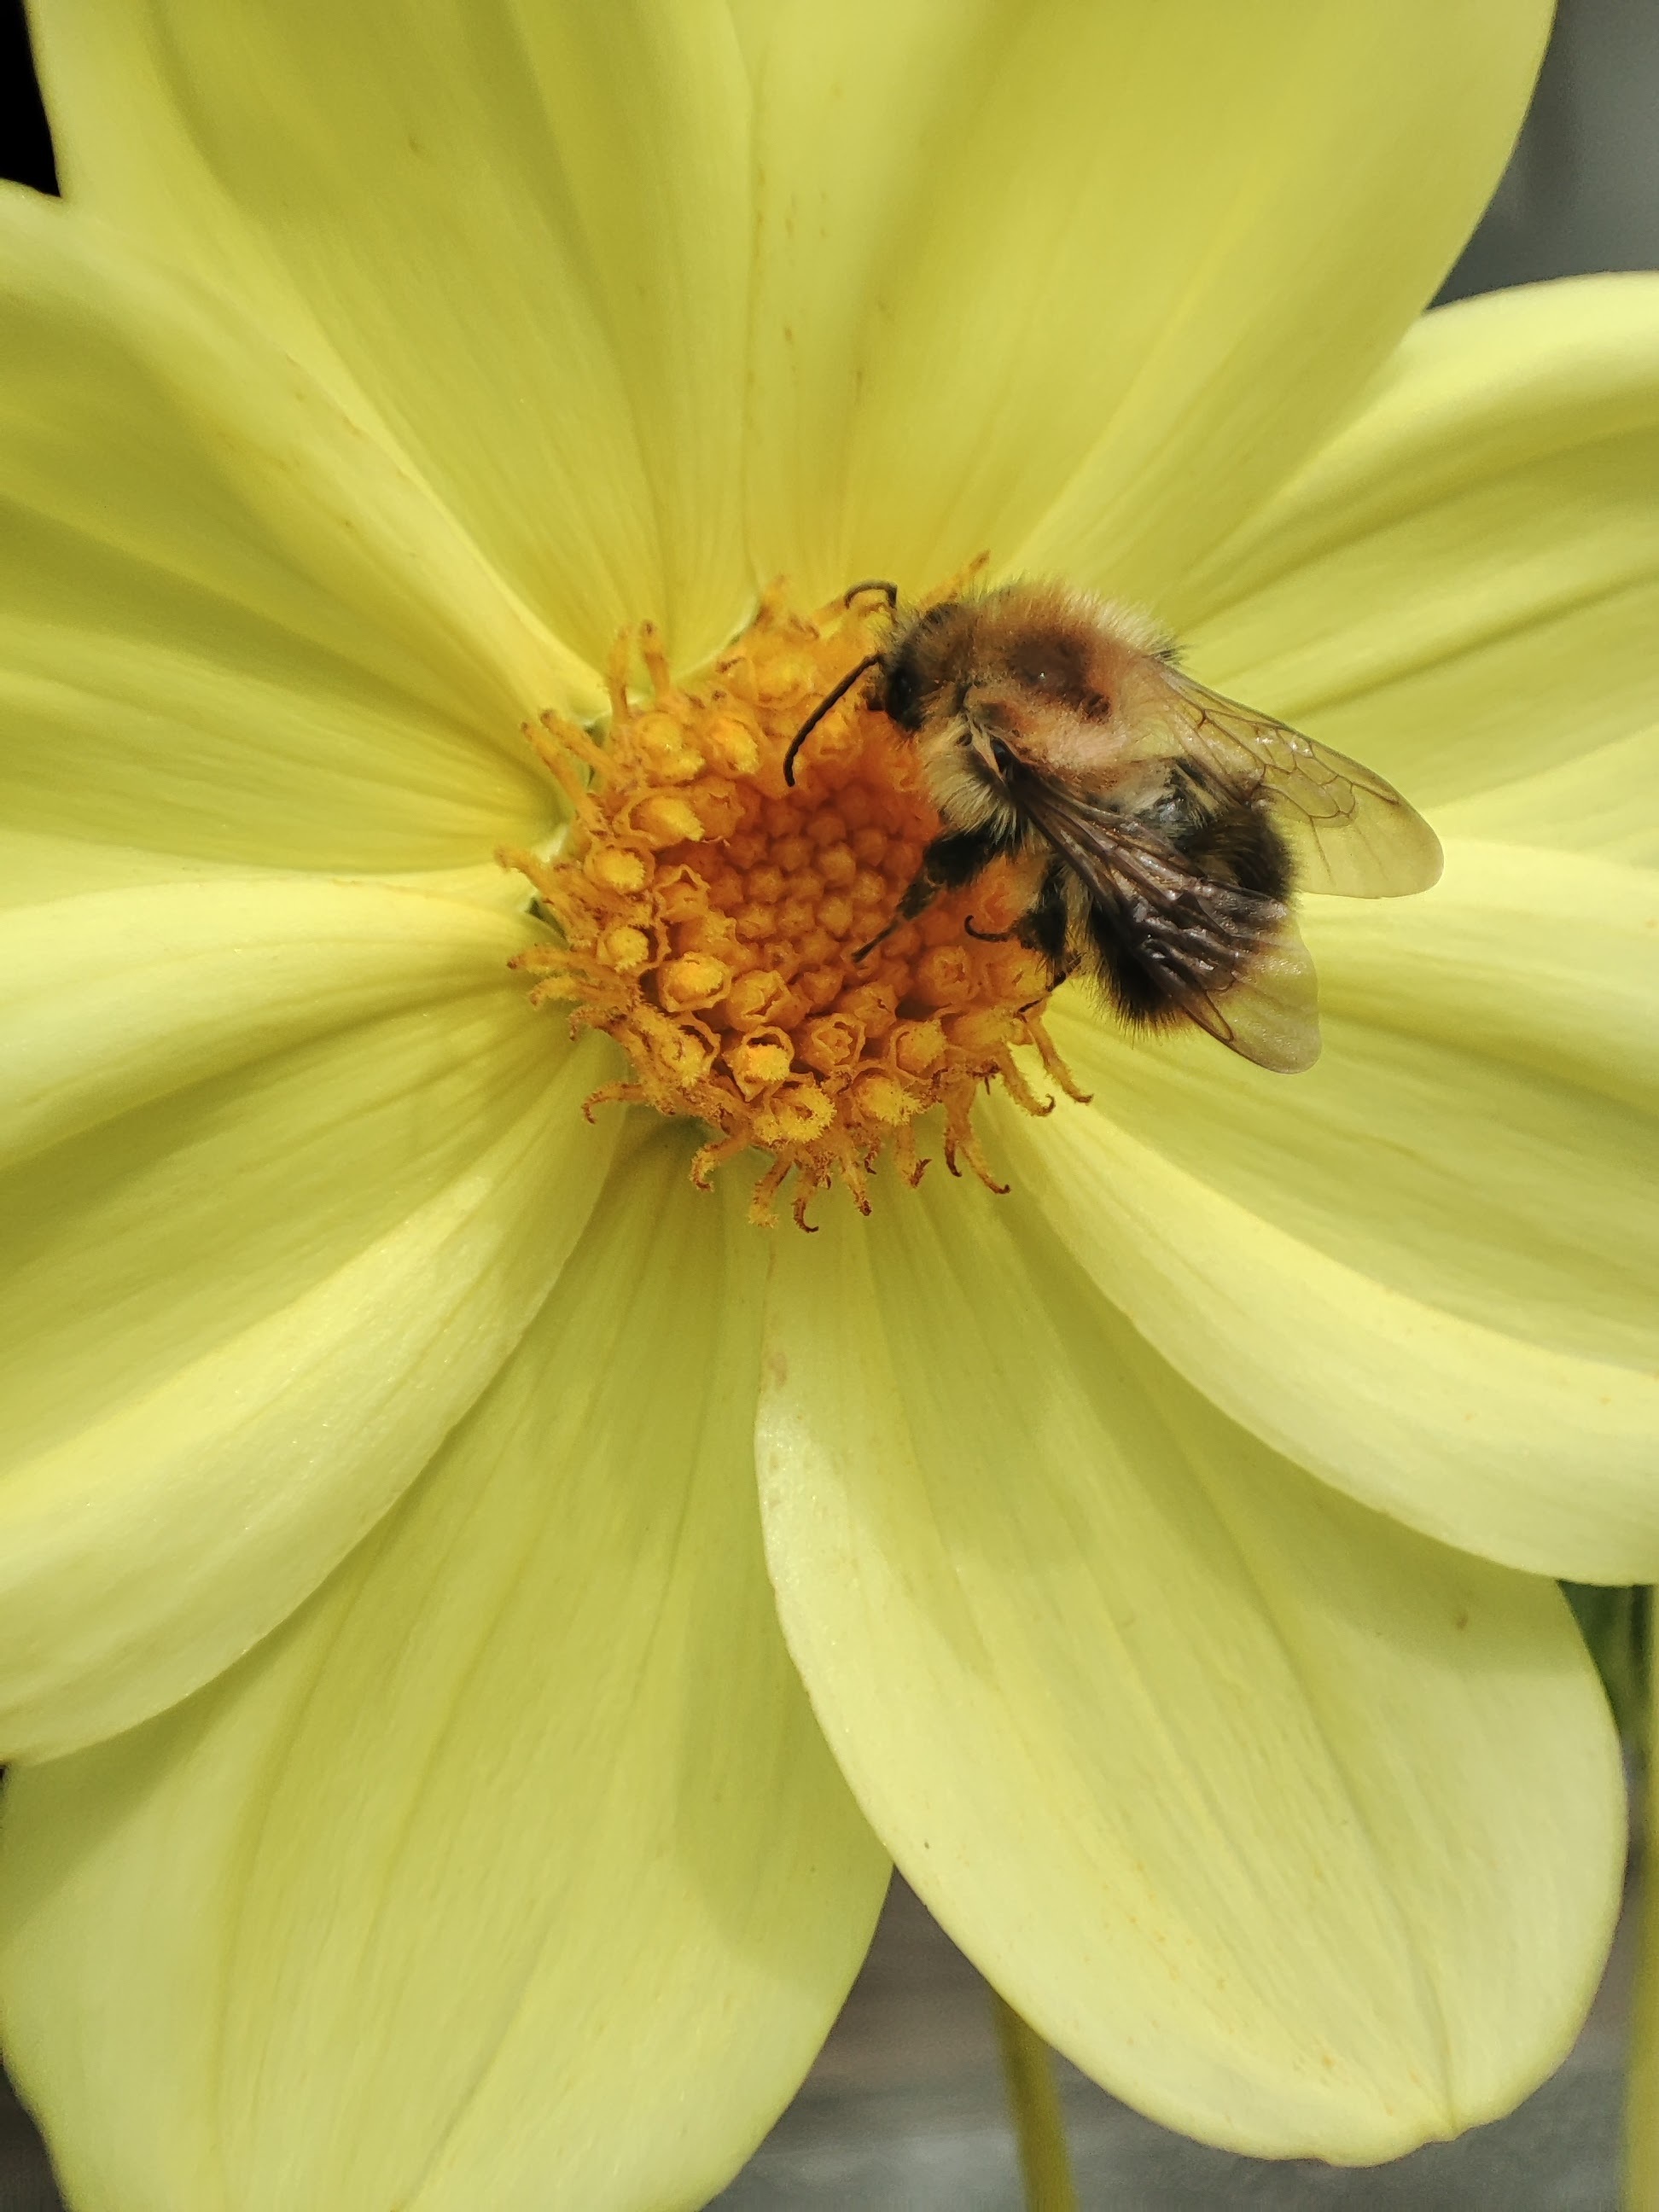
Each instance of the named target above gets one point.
<point>1581,191</point>
<point>25,2183</point>
<point>904,2111</point>
<point>25,142</point>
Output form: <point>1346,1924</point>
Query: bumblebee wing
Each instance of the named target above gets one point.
<point>1349,830</point>
<point>1169,942</point>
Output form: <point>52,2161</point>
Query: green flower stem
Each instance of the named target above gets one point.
<point>1641,2076</point>
<point>1029,2070</point>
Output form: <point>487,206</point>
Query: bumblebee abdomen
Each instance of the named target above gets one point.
<point>1240,845</point>
<point>1159,958</point>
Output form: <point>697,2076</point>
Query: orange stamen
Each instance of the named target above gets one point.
<point>711,915</point>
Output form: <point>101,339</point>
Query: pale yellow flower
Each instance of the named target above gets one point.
<point>420,1803</point>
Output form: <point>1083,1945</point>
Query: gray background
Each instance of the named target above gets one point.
<point>904,2112</point>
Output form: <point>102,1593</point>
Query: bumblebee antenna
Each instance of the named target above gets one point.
<point>870,661</point>
<point>871,584</point>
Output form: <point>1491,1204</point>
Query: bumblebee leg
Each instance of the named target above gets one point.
<point>1045,925</point>
<point>948,863</point>
<point>920,896</point>
<point>955,859</point>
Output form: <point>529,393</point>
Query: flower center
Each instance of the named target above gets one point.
<point>737,936</point>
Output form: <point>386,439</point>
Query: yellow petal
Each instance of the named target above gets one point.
<point>1083,284</point>
<point>514,1872</point>
<point>233,625</point>
<point>1426,1268</point>
<point>38,869</point>
<point>237,1319</point>
<point>121,997</point>
<point>1462,588</point>
<point>522,234</point>
<point>1295,1829</point>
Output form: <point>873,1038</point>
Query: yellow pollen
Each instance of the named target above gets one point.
<point>712,919</point>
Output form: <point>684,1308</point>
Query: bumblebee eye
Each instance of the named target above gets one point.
<point>1003,757</point>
